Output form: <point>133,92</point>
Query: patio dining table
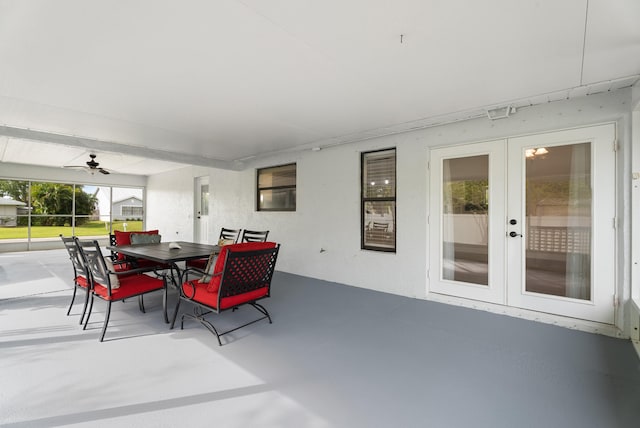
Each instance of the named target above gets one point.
<point>163,254</point>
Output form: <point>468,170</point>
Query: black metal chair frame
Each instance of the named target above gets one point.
<point>79,269</point>
<point>236,278</point>
<point>100,274</point>
<point>230,234</point>
<point>224,234</point>
<point>254,235</point>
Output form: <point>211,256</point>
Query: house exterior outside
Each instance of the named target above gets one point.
<point>130,208</point>
<point>9,212</point>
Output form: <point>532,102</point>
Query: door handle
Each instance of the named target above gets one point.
<point>514,234</point>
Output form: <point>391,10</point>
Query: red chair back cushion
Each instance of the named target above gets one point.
<point>124,238</point>
<point>214,284</point>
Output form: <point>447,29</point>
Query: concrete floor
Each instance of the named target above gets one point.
<point>335,356</point>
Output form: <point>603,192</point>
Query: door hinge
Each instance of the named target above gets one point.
<point>428,274</point>
<point>616,146</point>
<point>615,223</point>
<point>616,301</point>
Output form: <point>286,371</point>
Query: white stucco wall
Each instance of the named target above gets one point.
<point>170,204</point>
<point>328,204</point>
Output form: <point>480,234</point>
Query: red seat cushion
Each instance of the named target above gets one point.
<point>214,284</point>
<point>121,267</point>
<point>198,263</point>
<point>201,295</point>
<point>124,238</point>
<point>130,286</point>
<point>82,281</point>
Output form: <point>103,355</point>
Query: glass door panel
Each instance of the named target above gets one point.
<point>464,219</point>
<point>561,248</point>
<point>466,235</point>
<point>558,220</point>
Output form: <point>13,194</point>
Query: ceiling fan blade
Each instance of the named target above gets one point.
<point>91,166</point>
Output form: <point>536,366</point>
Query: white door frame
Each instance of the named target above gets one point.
<point>506,271</point>
<point>494,292</point>
<point>600,307</point>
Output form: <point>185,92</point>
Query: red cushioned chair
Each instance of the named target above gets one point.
<point>241,276</point>
<point>123,262</point>
<point>80,273</point>
<point>131,283</point>
<point>225,234</point>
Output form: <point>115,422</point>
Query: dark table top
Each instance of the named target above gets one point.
<point>161,252</point>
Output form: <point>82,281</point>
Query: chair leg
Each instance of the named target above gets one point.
<point>86,321</point>
<point>86,302</point>
<point>263,310</point>
<point>73,298</point>
<point>201,320</point>
<point>106,320</point>
<point>141,304</point>
<point>164,304</point>
<point>175,314</point>
<point>211,328</point>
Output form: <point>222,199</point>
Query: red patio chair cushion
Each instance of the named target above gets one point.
<point>214,284</point>
<point>124,238</point>
<point>82,281</point>
<point>130,286</point>
<point>202,295</point>
<point>198,263</point>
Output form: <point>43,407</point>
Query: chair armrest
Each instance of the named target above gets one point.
<point>192,270</point>
<point>193,290</point>
<point>138,270</point>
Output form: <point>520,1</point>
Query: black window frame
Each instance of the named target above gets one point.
<point>364,199</point>
<point>259,189</point>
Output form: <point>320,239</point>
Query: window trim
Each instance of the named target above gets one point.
<point>259,189</point>
<point>364,200</point>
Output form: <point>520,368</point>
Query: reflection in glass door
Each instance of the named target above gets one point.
<point>465,211</point>
<point>558,220</point>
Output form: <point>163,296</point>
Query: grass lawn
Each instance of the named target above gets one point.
<point>92,228</point>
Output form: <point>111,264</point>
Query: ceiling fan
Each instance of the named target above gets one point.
<point>92,166</point>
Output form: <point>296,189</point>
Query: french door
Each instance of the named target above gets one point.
<point>527,222</point>
<point>201,208</point>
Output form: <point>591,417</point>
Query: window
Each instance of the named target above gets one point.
<point>34,211</point>
<point>131,211</point>
<point>378,201</point>
<point>277,188</point>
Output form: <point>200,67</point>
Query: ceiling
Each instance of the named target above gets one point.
<point>220,82</point>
